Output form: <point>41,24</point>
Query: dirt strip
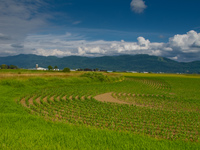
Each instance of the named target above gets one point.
<point>64,97</point>
<point>38,100</point>
<point>23,102</point>
<point>107,97</point>
<point>30,101</point>
<point>45,99</point>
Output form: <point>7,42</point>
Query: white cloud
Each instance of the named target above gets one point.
<point>142,42</point>
<point>138,6</point>
<point>196,44</point>
<point>174,58</point>
<point>51,52</point>
<point>81,51</point>
<point>183,47</point>
<point>186,42</point>
<point>20,18</point>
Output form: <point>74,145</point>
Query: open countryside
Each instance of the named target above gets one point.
<point>99,75</point>
<point>91,110</point>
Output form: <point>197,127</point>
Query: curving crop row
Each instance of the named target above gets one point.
<point>78,108</point>
<point>163,102</point>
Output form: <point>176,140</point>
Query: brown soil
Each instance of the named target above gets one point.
<point>23,102</point>
<point>30,101</point>
<point>107,97</point>
<point>45,99</point>
<point>58,98</point>
<point>124,94</point>
<point>38,100</point>
<point>83,97</point>
<point>64,97</point>
<point>52,98</point>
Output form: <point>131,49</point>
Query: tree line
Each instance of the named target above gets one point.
<point>56,67</point>
<point>4,66</point>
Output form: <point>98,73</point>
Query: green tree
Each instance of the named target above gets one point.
<point>4,66</point>
<point>13,67</point>
<point>66,70</point>
<point>50,67</point>
<point>56,67</point>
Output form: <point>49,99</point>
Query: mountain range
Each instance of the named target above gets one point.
<point>139,63</point>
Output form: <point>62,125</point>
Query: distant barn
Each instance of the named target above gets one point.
<point>39,68</point>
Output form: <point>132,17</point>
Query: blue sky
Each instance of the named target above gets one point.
<point>168,28</point>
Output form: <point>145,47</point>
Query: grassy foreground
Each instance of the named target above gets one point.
<point>22,130</point>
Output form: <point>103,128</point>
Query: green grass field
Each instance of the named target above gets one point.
<point>53,110</point>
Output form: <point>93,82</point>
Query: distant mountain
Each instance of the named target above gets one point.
<point>138,63</point>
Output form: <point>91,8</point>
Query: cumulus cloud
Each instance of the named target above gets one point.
<point>20,18</point>
<point>185,42</point>
<point>185,47</point>
<point>142,42</point>
<point>180,47</point>
<point>138,6</point>
<point>51,52</point>
<point>59,46</point>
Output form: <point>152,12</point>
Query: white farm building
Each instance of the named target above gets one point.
<point>40,68</point>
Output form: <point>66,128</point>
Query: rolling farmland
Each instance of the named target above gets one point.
<point>165,109</point>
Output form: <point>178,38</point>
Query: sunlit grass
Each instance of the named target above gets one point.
<point>64,120</point>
